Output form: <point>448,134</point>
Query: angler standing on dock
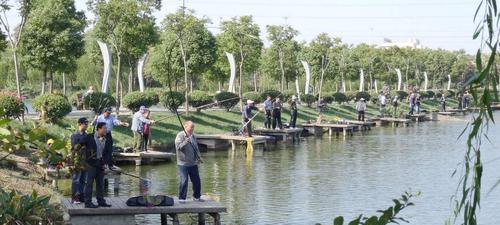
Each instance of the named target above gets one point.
<point>79,140</point>
<point>395,105</point>
<point>268,107</point>
<point>137,127</point>
<point>361,107</point>
<point>412,103</point>
<point>442,101</point>
<point>382,101</point>
<point>293,111</point>
<point>188,158</point>
<point>94,154</point>
<point>110,121</point>
<point>277,106</point>
<point>247,116</point>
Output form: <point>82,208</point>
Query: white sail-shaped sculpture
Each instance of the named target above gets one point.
<point>140,71</point>
<point>361,80</point>
<point>376,88</point>
<point>425,81</point>
<point>398,71</point>
<point>106,58</point>
<point>232,67</point>
<point>297,87</point>
<point>449,82</point>
<point>308,76</point>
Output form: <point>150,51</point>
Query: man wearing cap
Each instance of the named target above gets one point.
<point>94,158</point>
<point>361,107</point>
<point>137,127</point>
<point>79,140</point>
<point>247,116</point>
<point>277,105</point>
<point>293,111</point>
<point>268,107</point>
<point>110,121</point>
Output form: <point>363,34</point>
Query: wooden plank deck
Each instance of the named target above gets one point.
<point>332,128</point>
<point>283,134</point>
<point>140,157</point>
<point>418,117</point>
<point>458,111</point>
<point>363,125</point>
<point>213,141</point>
<point>121,214</point>
<point>394,121</point>
<point>447,113</point>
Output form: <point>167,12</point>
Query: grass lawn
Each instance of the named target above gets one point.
<point>219,122</point>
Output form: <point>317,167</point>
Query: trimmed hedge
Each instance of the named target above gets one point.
<point>255,96</point>
<point>351,95</point>
<point>286,96</point>
<point>272,93</point>
<point>172,100</point>
<point>199,98</point>
<point>221,98</point>
<point>431,94</point>
<point>402,95</point>
<point>98,101</point>
<point>449,93</point>
<point>11,104</point>
<point>134,100</point>
<point>363,94</point>
<point>339,97</point>
<point>309,99</point>
<point>52,106</point>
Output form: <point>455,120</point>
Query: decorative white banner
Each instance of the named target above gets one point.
<point>425,81</point>
<point>232,66</point>
<point>376,88</point>
<point>449,82</point>
<point>140,70</point>
<point>308,76</point>
<point>106,58</point>
<point>361,80</point>
<point>399,79</point>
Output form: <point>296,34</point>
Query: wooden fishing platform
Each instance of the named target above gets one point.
<point>362,125</point>
<point>121,214</point>
<point>458,111</point>
<point>142,157</point>
<point>318,129</point>
<point>418,117</point>
<point>394,121</point>
<point>221,141</point>
<point>281,134</point>
<point>447,113</point>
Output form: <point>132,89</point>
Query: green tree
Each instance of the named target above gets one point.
<point>53,37</point>
<point>127,25</point>
<point>241,35</point>
<point>282,43</point>
<point>193,49</point>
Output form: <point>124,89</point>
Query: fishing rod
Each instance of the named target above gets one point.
<point>246,123</point>
<point>131,175</point>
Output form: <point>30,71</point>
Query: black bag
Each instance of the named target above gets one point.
<point>157,200</point>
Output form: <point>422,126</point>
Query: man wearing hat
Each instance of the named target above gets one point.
<point>361,107</point>
<point>247,116</point>
<point>137,127</point>
<point>110,121</point>
<point>79,140</point>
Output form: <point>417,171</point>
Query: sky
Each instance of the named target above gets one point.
<point>446,24</point>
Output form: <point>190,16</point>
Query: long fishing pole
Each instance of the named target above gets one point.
<point>131,175</point>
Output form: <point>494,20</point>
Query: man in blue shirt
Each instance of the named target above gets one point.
<point>79,140</point>
<point>110,121</point>
<point>137,127</point>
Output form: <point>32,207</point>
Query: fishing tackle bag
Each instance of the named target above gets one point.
<point>157,200</point>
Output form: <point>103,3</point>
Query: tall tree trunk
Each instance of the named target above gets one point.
<point>64,83</point>
<point>255,82</point>
<point>186,84</point>
<point>16,70</point>
<point>130,76</point>
<point>322,76</point>
<point>44,81</point>
<point>220,85</point>
<point>51,82</point>
<point>282,67</point>
<point>240,94</point>
<point>118,71</point>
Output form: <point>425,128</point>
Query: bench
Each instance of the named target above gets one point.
<point>121,214</point>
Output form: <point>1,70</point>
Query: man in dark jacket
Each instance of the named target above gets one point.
<point>94,154</point>
<point>79,140</point>
<point>188,158</point>
<point>248,116</point>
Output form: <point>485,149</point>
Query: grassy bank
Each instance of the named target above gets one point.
<point>219,122</point>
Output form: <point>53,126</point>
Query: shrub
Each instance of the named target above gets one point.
<point>449,93</point>
<point>134,100</point>
<point>12,105</point>
<point>423,94</point>
<point>363,94</point>
<point>401,94</point>
<point>439,94</point>
<point>339,97</point>
<point>199,98</point>
<point>309,99</point>
<point>328,97</point>
<point>52,106</point>
<point>98,101</point>
<point>286,96</point>
<point>172,100</point>
<point>351,95</point>
<point>221,98</point>
<point>17,208</point>
<point>431,94</point>
<point>255,96</point>
<point>272,93</point>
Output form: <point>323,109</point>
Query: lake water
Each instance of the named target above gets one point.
<point>320,178</point>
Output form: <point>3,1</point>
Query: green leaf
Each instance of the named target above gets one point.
<point>4,131</point>
<point>338,220</point>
